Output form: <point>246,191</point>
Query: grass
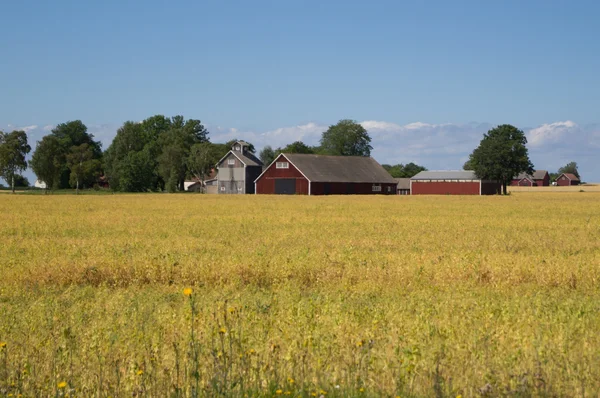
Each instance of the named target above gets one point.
<point>298,296</point>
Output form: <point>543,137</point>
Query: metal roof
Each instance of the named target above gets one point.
<point>403,183</point>
<point>323,168</point>
<point>248,158</point>
<point>446,175</point>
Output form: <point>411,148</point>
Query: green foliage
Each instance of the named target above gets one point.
<point>72,134</point>
<point>267,155</point>
<point>83,166</point>
<point>570,167</point>
<point>203,158</point>
<point>13,149</point>
<point>155,153</point>
<point>21,181</point>
<point>501,155</point>
<point>346,138</point>
<point>297,147</point>
<point>404,171</point>
<point>48,160</point>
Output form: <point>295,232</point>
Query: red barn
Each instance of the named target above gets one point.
<point>324,175</point>
<point>566,179</point>
<point>539,178</point>
<point>452,182</point>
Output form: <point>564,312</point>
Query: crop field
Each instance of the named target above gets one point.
<point>200,295</point>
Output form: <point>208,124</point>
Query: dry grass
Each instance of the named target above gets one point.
<point>410,296</point>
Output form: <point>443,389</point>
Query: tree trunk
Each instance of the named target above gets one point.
<point>13,182</point>
<point>504,191</point>
<point>77,187</point>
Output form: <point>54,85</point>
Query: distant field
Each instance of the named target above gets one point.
<point>300,296</point>
<point>575,188</point>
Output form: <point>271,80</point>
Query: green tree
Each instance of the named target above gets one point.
<point>47,161</point>
<point>203,158</point>
<point>346,138</point>
<point>570,167</point>
<point>267,155</point>
<point>82,165</point>
<point>297,147</point>
<point>404,171</point>
<point>13,150</point>
<point>71,134</point>
<point>501,155</point>
<point>21,181</point>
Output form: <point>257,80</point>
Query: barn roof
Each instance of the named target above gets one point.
<point>571,176</point>
<point>403,183</point>
<point>323,168</point>
<point>446,175</point>
<point>537,175</point>
<point>247,158</point>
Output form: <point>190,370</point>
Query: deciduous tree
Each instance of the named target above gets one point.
<point>570,167</point>
<point>501,155</point>
<point>82,165</point>
<point>346,138</point>
<point>47,161</point>
<point>13,150</point>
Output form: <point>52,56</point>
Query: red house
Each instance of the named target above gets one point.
<point>540,178</point>
<point>566,179</point>
<point>452,182</point>
<point>305,174</point>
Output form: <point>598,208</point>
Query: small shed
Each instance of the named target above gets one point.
<point>566,179</point>
<point>306,174</point>
<point>452,182</point>
<point>403,186</point>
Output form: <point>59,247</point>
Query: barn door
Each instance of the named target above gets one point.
<point>285,186</point>
<point>327,188</point>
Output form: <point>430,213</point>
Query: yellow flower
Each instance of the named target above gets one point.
<point>322,392</point>
<point>231,310</point>
<point>288,393</point>
<point>62,384</point>
<point>222,331</point>
<point>187,291</point>
<point>291,381</point>
<point>2,344</point>
<point>360,343</point>
<point>140,372</point>
<point>459,396</point>
<point>314,394</point>
<point>278,392</point>
<point>362,389</point>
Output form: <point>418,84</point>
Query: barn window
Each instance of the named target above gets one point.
<point>282,165</point>
<point>389,189</point>
<point>376,188</point>
<point>231,162</point>
<point>237,148</point>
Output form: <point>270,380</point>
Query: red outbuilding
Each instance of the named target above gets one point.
<point>539,178</point>
<point>452,182</point>
<point>566,179</point>
<point>306,174</point>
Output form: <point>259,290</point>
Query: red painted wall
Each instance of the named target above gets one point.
<point>445,188</point>
<point>266,183</point>
<point>525,183</point>
<point>564,181</point>
<point>349,188</point>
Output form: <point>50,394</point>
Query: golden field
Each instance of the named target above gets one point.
<point>300,296</point>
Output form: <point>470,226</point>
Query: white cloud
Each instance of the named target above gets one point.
<point>551,133</point>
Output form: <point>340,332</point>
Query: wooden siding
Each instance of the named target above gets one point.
<point>445,188</point>
<point>351,188</point>
<point>266,183</point>
<point>224,163</point>
<point>564,181</point>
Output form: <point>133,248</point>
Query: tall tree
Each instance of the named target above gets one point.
<point>203,157</point>
<point>297,147</point>
<point>71,134</point>
<point>570,167</point>
<point>267,155</point>
<point>501,155</point>
<point>403,171</point>
<point>346,138</point>
<point>13,150</point>
<point>47,161</point>
<point>82,165</point>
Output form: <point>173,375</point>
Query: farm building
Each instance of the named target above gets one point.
<point>403,187</point>
<point>451,182</point>
<point>566,179</point>
<point>237,170</point>
<point>325,175</point>
<point>539,178</point>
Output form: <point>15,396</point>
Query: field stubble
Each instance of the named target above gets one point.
<point>297,296</point>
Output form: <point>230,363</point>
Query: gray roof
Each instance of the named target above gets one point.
<point>537,175</point>
<point>446,175</point>
<point>248,158</point>
<point>322,168</point>
<point>403,183</point>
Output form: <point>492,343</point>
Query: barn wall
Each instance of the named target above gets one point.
<point>525,183</point>
<point>349,188</point>
<point>490,188</point>
<point>266,183</point>
<point>564,181</point>
<point>445,188</point>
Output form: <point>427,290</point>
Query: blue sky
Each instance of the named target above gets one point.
<point>428,78</point>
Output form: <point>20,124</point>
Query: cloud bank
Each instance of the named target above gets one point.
<point>436,146</point>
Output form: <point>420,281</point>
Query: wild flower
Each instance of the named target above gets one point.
<point>187,291</point>
<point>279,392</point>
<point>2,344</point>
<point>140,372</point>
<point>62,384</point>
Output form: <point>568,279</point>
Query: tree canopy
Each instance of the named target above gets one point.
<point>13,150</point>
<point>346,138</point>
<point>570,167</point>
<point>48,160</point>
<point>501,155</point>
<point>404,171</point>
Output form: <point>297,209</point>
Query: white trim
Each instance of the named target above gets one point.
<point>410,187</point>
<point>480,183</point>
<point>223,158</point>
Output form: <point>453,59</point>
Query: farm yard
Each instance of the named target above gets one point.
<point>206,295</point>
